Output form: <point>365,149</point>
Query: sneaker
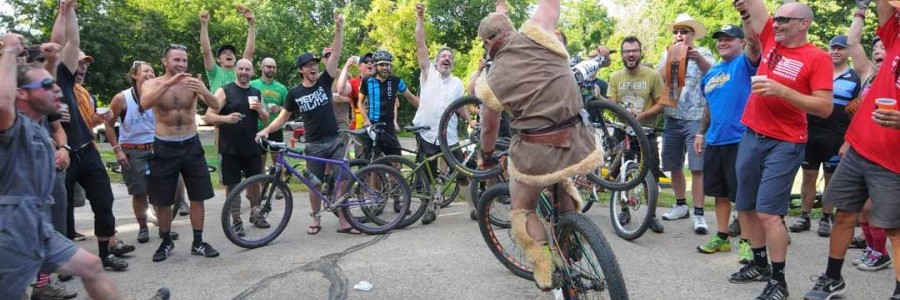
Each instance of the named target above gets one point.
<point>677,212</point>
<point>656,226</point>
<point>774,291</point>
<point>751,273</point>
<point>238,227</point>
<point>715,244</point>
<point>164,251</point>
<point>114,263</point>
<point>257,219</point>
<point>825,288</point>
<point>802,224</point>
<point>734,229</point>
<point>876,261</point>
<point>205,250</point>
<point>172,234</point>
<point>162,294</point>
<point>700,224</point>
<point>824,228</point>
<point>624,217</point>
<point>120,248</point>
<point>52,291</point>
<point>143,235</point>
<point>858,242</point>
<point>861,258</point>
<point>184,209</point>
<point>745,252</point>
<point>79,237</point>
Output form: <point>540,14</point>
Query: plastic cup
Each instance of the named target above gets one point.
<point>754,79</point>
<point>253,99</point>
<point>102,110</point>
<point>886,104</point>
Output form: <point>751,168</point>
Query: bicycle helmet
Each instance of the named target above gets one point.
<point>382,56</point>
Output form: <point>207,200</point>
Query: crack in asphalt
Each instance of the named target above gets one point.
<point>327,265</point>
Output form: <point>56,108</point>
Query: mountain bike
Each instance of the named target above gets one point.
<point>366,192</point>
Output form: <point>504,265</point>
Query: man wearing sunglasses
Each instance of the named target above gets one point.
<point>683,121</point>
<point>794,79</point>
<point>177,149</point>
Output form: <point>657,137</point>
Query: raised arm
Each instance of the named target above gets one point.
<point>69,54</point>
<point>547,14</point>
<point>209,62</point>
<point>336,45</point>
<point>754,14</point>
<point>885,11</point>
<point>342,87</point>
<point>421,46</point>
<point>58,34</point>
<point>13,44</point>
<point>861,63</point>
<point>250,46</point>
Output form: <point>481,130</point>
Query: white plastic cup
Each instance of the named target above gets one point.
<point>754,79</point>
<point>253,99</point>
<point>102,110</point>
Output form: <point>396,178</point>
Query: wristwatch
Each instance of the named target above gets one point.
<point>66,146</point>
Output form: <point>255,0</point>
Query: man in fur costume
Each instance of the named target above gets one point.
<point>546,109</point>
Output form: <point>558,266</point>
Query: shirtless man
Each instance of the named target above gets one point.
<point>176,148</point>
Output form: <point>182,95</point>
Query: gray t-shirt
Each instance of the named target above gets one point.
<point>27,171</point>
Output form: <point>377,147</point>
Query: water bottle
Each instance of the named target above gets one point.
<point>313,180</point>
<point>587,69</point>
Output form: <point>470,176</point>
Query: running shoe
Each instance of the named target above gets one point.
<point>715,244</point>
<point>238,227</point>
<point>114,263</point>
<point>120,248</point>
<point>745,252</point>
<point>734,229</point>
<point>825,288</point>
<point>700,226</point>
<point>824,228</point>
<point>751,273</point>
<point>257,218</point>
<point>656,226</point>
<point>802,224</point>
<point>677,212</point>
<point>774,291</point>
<point>52,291</point>
<point>862,257</point>
<point>876,261</point>
<point>204,250</point>
<point>624,217</point>
<point>143,235</point>
<point>163,252</point>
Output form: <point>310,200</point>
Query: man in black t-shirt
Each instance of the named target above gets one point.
<point>240,110</point>
<point>312,98</point>
<point>379,101</point>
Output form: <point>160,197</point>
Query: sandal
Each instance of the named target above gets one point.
<point>349,230</point>
<point>313,230</point>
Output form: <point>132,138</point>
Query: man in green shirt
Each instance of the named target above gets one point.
<point>638,89</point>
<point>220,68</point>
<point>273,94</point>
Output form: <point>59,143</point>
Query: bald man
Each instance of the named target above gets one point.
<point>273,95</point>
<point>794,79</point>
<point>240,111</point>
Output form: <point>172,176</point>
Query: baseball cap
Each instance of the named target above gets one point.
<point>729,30</point>
<point>838,40</point>
<point>305,58</point>
<point>84,57</point>
<point>226,47</point>
<point>875,40</point>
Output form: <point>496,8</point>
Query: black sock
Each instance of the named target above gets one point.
<point>104,248</point>
<point>166,236</point>
<point>778,272</point>
<point>198,237</point>
<point>698,211</point>
<point>833,270</point>
<point>897,288</point>
<point>681,201</point>
<point>804,215</point>
<point>826,217</point>
<point>723,235</point>
<point>759,257</point>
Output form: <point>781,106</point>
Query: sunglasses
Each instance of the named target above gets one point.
<point>138,62</point>
<point>367,61</point>
<point>785,20</point>
<point>46,84</point>
<point>681,31</point>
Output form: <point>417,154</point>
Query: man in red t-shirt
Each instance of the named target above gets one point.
<point>797,81</point>
<point>366,67</point>
<point>871,168</point>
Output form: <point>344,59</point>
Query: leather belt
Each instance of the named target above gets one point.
<point>557,135</point>
<point>148,146</point>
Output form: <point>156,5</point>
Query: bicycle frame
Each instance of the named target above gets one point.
<point>333,201</point>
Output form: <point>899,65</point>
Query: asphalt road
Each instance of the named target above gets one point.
<point>445,260</point>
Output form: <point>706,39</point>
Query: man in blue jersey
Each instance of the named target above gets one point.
<point>726,87</point>
<point>379,101</point>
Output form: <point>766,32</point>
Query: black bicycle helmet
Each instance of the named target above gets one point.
<point>382,56</point>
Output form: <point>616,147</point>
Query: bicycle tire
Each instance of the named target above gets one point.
<point>393,185</point>
<point>647,191</point>
<point>267,182</point>
<point>575,233</point>
<point>464,166</point>
<point>601,113</point>
<point>497,232</point>
<point>450,187</point>
<point>417,180</point>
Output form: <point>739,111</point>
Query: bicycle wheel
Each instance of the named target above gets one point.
<point>449,187</point>
<point>631,211</point>
<point>267,217</point>
<point>493,221</point>
<point>611,122</point>
<point>373,186</point>
<point>590,270</point>
<point>469,141</point>
<point>418,183</point>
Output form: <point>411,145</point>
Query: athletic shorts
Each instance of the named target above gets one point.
<point>858,179</point>
<point>233,168</point>
<point>678,139</point>
<point>719,175</point>
<point>766,168</point>
<point>387,142</point>
<point>426,149</point>
<point>135,178</point>
<point>172,158</point>
<point>28,244</point>
<point>327,148</point>
<point>822,150</point>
